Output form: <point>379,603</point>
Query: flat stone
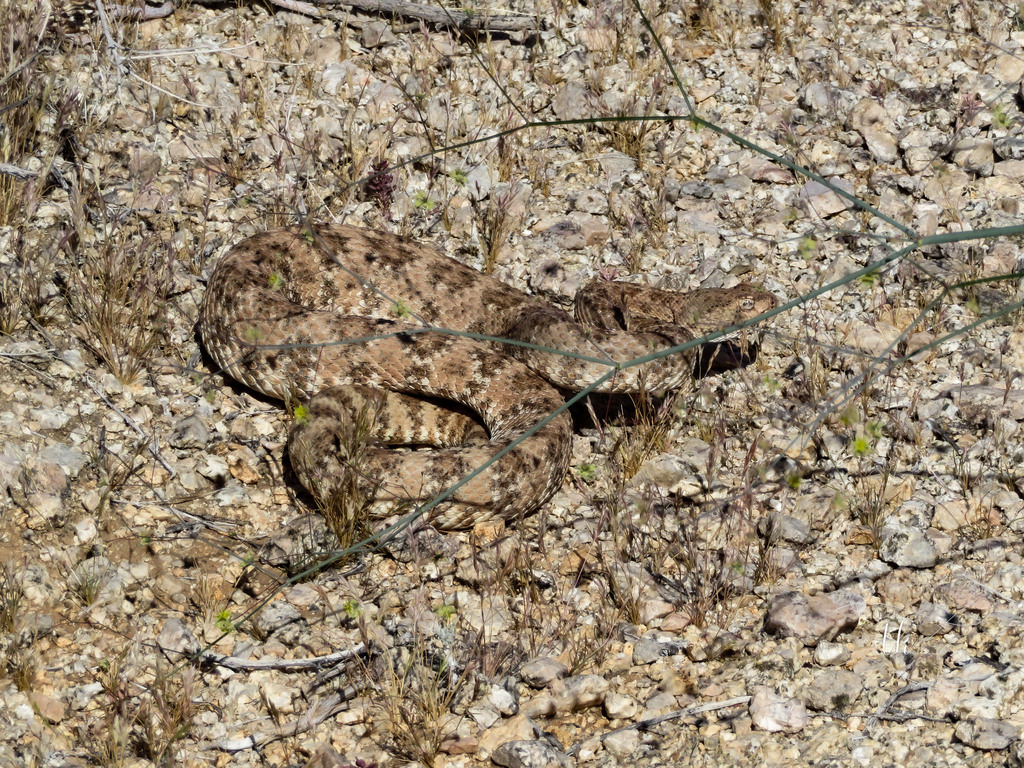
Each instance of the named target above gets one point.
<point>986,733</point>
<point>622,743</point>
<point>529,754</point>
<point>542,672</point>
<point>815,618</point>
<point>833,690</point>
<point>822,202</point>
<point>572,694</point>
<point>871,120</point>
<point>1008,68</point>
<point>934,619</point>
<point>773,713</point>
<point>908,548</point>
<point>49,708</point>
<point>975,155</point>
<point>618,706</point>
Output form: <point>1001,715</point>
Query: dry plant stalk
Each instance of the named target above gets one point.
<point>118,294</point>
<point>413,696</point>
<point>345,510</point>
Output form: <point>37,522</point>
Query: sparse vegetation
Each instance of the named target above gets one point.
<point>11,597</point>
<point>344,507</point>
<point>501,218</point>
<point>118,295</point>
<point>28,141</point>
<point>144,165</point>
<point>413,696</point>
<point>147,714</point>
<point>648,433</point>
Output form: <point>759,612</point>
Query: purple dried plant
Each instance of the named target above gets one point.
<point>380,188</point>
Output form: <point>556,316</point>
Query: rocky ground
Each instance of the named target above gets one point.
<point>813,559</point>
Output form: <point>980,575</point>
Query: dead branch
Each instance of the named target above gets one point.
<point>443,17</point>
<point>317,662</point>
<point>440,17</point>
<point>17,171</point>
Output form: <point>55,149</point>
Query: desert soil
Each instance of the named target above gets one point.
<point>810,559</point>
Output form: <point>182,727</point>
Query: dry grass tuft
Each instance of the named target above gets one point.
<point>118,292</point>
<point>27,96</point>
<point>413,697</point>
<point>647,436</point>
<point>142,720</point>
<point>345,509</point>
<point>18,659</point>
<point>502,217</point>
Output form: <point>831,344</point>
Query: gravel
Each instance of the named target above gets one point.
<point>818,562</point>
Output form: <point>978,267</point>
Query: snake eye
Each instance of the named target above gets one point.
<point>748,303</point>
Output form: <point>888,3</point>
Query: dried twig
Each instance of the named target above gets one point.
<point>17,171</point>
<point>316,662</point>
<point>443,17</point>
<point>652,721</point>
<point>883,709</point>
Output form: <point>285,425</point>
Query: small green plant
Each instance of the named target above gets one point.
<point>224,622</point>
<point>458,176</point>
<point>1000,117</point>
<point>869,279</point>
<point>401,309</point>
<point>422,201</point>
<point>849,416</point>
<point>88,579</point>
<point>352,608</point>
<point>445,611</point>
<point>865,439</point>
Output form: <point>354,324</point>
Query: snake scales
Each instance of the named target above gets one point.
<point>282,310</point>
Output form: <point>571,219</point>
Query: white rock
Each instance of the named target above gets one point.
<point>872,121</point>
<point>774,713</point>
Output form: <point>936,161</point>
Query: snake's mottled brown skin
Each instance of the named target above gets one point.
<point>336,315</point>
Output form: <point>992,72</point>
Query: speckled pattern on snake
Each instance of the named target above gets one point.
<point>347,319</point>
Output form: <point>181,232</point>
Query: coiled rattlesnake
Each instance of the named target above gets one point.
<point>348,317</point>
